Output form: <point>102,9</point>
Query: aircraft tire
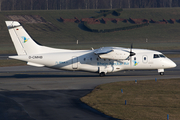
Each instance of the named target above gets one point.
<point>102,74</point>
<point>161,73</point>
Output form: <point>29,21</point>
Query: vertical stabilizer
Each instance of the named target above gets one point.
<point>23,43</point>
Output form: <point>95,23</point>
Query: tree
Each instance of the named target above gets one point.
<point>66,4</point>
<point>93,4</point>
<point>47,4</point>
<point>120,3</point>
<point>31,4</point>
<point>60,4</point>
<point>129,3</point>
<point>96,4</point>
<point>86,3</point>
<point>0,4</point>
<point>110,4</point>
<point>13,5</point>
<point>170,3</point>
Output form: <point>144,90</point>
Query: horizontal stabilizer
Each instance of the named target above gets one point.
<point>25,58</point>
<point>35,64</point>
<point>12,24</point>
<point>21,57</point>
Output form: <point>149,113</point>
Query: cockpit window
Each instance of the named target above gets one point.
<point>162,56</point>
<point>156,56</point>
<point>159,56</point>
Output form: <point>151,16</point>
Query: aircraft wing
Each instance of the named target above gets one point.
<point>103,51</point>
<point>112,53</point>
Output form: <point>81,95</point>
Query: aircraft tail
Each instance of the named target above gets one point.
<point>23,43</point>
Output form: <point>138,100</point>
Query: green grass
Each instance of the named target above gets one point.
<point>64,35</point>
<point>146,100</point>
<point>109,25</point>
<point>11,62</point>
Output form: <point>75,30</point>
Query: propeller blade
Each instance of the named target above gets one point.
<point>131,54</point>
<point>130,61</point>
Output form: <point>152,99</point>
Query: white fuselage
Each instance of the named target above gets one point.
<point>102,60</point>
<point>86,60</point>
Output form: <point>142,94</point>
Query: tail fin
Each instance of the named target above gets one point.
<point>23,43</point>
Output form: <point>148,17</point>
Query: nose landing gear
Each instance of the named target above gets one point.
<point>161,73</point>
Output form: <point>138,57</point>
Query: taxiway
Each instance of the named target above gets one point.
<point>44,94</point>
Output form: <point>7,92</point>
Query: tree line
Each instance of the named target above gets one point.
<point>84,4</point>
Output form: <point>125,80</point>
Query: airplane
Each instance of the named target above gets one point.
<point>102,61</point>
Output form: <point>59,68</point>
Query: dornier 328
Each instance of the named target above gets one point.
<point>102,61</point>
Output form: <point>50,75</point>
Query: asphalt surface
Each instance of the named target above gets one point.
<point>30,93</point>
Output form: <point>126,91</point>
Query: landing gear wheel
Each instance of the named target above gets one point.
<point>161,73</point>
<point>102,74</point>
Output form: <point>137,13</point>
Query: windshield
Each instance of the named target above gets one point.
<point>159,56</point>
<point>162,56</point>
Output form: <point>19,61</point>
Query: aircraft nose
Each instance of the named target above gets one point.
<point>168,63</point>
<point>172,64</point>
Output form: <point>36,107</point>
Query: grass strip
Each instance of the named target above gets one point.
<point>11,62</point>
<point>146,100</point>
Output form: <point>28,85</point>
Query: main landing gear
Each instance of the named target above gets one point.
<point>102,74</point>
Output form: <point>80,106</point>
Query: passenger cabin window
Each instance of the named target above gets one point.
<point>84,59</point>
<point>134,58</point>
<point>144,58</point>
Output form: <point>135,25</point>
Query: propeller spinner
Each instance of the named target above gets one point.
<point>131,54</point>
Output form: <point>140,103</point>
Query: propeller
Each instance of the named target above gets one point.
<point>131,54</point>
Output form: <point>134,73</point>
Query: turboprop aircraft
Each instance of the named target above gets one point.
<point>103,60</point>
